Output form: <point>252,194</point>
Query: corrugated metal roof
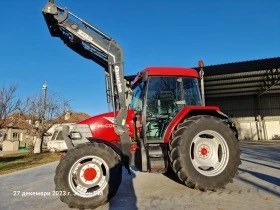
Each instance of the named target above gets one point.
<point>242,78</point>
<point>241,67</point>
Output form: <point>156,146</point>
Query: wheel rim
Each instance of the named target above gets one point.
<point>89,176</point>
<point>209,153</point>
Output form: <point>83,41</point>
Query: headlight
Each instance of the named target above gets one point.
<point>75,135</point>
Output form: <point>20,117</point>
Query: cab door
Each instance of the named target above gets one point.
<point>160,106</point>
<point>137,104</point>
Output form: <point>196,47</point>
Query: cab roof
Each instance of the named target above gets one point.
<point>171,71</point>
<point>161,71</point>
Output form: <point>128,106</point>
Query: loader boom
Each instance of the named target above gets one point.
<point>93,44</point>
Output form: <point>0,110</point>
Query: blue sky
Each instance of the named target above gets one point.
<point>152,33</point>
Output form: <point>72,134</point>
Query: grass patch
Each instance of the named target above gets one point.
<point>11,163</point>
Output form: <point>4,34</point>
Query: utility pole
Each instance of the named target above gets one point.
<point>40,138</point>
<point>44,101</point>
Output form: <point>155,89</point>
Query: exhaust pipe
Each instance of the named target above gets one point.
<point>201,74</point>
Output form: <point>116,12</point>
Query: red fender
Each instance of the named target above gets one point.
<point>190,111</point>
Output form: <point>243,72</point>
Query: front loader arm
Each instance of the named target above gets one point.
<point>93,44</point>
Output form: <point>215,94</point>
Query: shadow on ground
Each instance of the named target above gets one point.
<point>265,158</point>
<point>10,159</point>
<point>125,197</point>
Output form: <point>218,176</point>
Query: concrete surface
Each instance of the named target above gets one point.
<point>256,187</point>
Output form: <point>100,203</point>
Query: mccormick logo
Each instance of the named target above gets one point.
<point>111,125</point>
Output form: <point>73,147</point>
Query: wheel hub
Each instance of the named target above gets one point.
<point>204,151</point>
<point>89,174</point>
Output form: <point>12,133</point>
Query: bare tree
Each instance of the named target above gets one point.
<point>8,103</point>
<point>41,111</point>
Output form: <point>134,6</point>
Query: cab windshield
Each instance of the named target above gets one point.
<point>171,93</point>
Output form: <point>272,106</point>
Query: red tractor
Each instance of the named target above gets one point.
<point>158,122</point>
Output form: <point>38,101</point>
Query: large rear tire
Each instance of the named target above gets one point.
<point>204,153</point>
<point>88,176</point>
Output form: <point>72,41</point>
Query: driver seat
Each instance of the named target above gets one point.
<point>166,102</point>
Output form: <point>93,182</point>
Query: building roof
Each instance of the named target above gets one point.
<point>73,117</point>
<point>240,67</point>
<point>26,121</point>
<point>17,120</point>
<point>255,77</point>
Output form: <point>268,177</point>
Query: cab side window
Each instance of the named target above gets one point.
<point>137,99</point>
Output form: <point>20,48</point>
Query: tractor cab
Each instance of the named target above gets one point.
<point>158,98</point>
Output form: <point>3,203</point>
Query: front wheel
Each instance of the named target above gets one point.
<point>88,176</point>
<point>204,153</point>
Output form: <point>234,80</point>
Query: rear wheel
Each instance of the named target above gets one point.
<point>88,176</point>
<point>204,153</point>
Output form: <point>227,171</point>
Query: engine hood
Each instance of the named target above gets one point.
<point>102,126</point>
